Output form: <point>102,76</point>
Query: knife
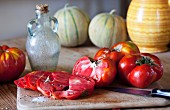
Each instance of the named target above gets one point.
<point>163,93</point>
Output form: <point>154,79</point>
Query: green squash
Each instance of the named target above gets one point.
<point>73,26</point>
<point>107,29</point>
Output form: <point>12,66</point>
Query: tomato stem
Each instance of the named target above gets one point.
<point>145,60</point>
<point>95,62</point>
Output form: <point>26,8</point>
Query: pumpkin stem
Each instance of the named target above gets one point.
<point>113,11</point>
<point>66,5</point>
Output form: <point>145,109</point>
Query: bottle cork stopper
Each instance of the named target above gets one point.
<point>42,8</point>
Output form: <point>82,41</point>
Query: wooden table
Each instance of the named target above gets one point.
<point>8,92</point>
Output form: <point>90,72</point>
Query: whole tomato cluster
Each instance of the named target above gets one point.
<point>133,68</point>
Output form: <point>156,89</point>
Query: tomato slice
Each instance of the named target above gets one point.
<point>31,79</point>
<point>21,82</point>
<point>56,81</point>
<point>69,94</point>
<point>78,86</point>
<point>81,83</point>
<point>62,77</point>
<point>18,83</point>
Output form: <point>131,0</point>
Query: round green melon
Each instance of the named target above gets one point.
<point>73,26</point>
<point>107,29</point>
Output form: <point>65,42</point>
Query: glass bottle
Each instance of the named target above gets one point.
<point>42,45</point>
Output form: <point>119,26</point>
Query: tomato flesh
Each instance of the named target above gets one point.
<point>32,77</point>
<point>50,82</point>
<point>78,86</point>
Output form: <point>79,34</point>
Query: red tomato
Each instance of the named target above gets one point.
<point>103,71</point>
<point>158,68</point>
<point>108,53</point>
<point>78,86</point>
<point>12,63</point>
<point>140,70</point>
<point>117,51</point>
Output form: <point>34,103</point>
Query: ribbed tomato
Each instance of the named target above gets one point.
<point>12,63</point>
<point>140,70</point>
<point>103,71</point>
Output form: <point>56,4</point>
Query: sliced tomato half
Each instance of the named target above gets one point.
<point>69,94</point>
<point>78,86</point>
<point>82,83</point>
<point>62,77</point>
<point>56,81</point>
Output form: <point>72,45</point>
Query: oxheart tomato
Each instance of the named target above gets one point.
<point>12,63</point>
<point>140,70</point>
<point>117,51</point>
<point>103,71</point>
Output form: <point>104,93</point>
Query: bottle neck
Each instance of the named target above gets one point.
<point>42,18</point>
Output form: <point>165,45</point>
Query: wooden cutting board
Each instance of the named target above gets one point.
<point>101,99</point>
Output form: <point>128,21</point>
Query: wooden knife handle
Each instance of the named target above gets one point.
<point>164,93</point>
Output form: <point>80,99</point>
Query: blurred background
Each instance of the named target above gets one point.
<point>15,14</point>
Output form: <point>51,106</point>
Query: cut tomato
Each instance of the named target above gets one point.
<point>18,83</point>
<point>81,83</point>
<point>69,94</point>
<point>23,82</point>
<point>56,81</point>
<point>62,77</point>
<point>78,86</point>
<point>31,79</point>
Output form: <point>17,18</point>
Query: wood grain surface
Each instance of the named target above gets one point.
<point>8,92</point>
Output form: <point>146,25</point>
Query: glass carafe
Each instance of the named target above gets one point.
<point>42,45</point>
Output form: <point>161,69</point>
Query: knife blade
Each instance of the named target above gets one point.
<point>163,93</point>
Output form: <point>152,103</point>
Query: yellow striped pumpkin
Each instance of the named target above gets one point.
<point>73,26</point>
<point>107,29</point>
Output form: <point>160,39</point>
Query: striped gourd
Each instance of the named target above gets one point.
<point>107,29</point>
<point>73,26</point>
